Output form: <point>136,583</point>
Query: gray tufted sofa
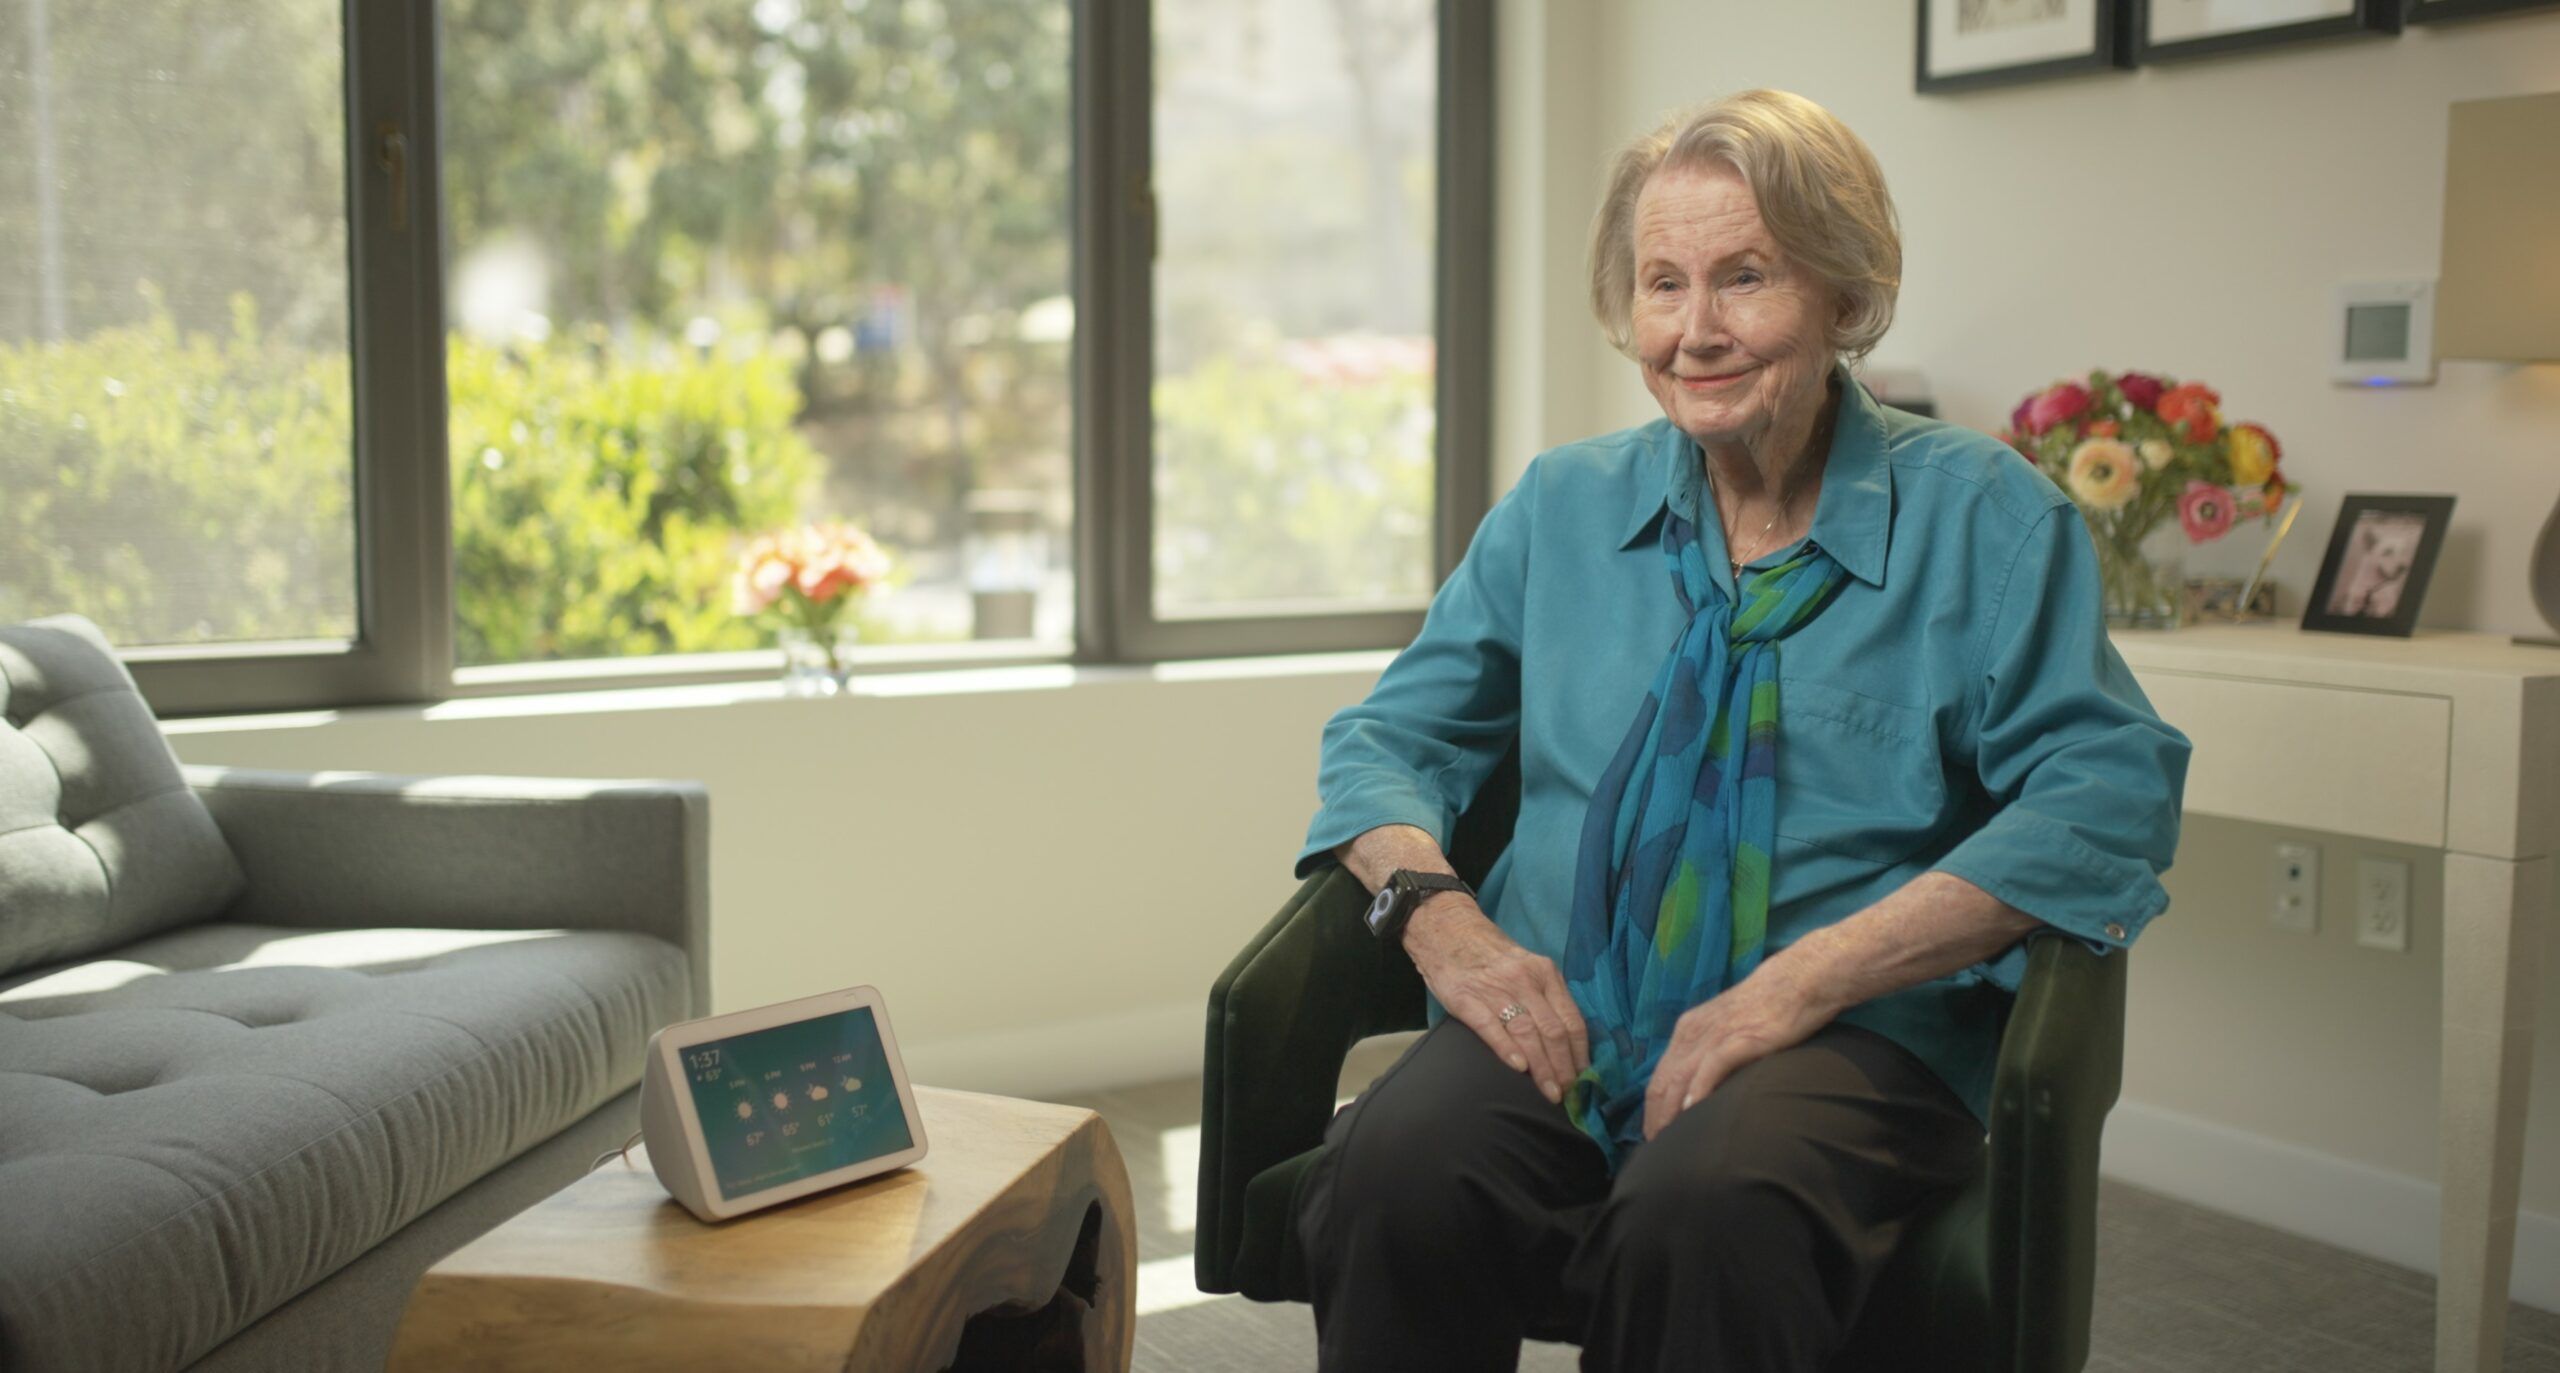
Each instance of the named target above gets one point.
<point>272,1043</point>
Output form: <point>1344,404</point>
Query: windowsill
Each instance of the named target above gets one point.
<point>767,691</point>
<point>692,669</point>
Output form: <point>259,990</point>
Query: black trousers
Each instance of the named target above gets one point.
<point>1458,1212</point>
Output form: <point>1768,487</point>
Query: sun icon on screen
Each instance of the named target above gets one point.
<point>746,1110</point>
<point>782,1101</point>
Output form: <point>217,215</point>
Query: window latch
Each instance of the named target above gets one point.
<point>391,154</point>
<point>1142,203</point>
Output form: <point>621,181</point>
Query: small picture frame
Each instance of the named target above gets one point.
<point>2380,555</point>
<point>2170,30</point>
<point>1971,44</point>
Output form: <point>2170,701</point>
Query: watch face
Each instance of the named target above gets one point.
<point>1385,902</point>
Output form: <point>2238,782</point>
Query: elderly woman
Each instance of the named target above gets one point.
<point>1817,720</point>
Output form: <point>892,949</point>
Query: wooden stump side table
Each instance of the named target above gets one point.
<point>1016,1201</point>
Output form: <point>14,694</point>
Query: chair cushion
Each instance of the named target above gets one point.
<point>197,1128</point>
<point>101,842</point>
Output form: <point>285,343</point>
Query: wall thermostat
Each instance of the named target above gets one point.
<point>2384,334</point>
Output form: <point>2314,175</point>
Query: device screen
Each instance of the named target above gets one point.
<point>2377,333</point>
<point>795,1101</point>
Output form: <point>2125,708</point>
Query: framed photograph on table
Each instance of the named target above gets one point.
<point>2167,30</point>
<point>1969,44</point>
<point>2380,556</point>
<point>2429,11</point>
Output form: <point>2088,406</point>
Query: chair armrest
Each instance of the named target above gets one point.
<point>340,849</point>
<point>1282,1019</point>
<point>2061,1064</point>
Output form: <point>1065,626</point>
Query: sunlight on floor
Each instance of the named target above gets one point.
<point>1181,1146</point>
<point>1167,1285</point>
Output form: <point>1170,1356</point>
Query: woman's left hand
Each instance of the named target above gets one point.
<point>1772,1009</point>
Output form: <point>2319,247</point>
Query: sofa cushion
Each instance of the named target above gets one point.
<point>199,1127</point>
<point>101,843</point>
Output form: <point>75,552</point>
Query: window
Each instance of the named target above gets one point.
<point>333,374</point>
<point>716,268</point>
<point>1302,345</point>
<point>1293,344</point>
<point>176,435</point>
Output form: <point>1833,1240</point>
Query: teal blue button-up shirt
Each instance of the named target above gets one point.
<point>1957,708</point>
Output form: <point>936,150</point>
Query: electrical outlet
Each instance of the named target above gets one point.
<point>2296,889</point>
<point>2382,903</point>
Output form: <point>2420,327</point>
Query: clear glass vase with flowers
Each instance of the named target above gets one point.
<point>2133,449</point>
<point>806,582</point>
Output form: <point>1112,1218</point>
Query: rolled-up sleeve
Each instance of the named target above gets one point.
<point>2086,777</point>
<point>1444,712</point>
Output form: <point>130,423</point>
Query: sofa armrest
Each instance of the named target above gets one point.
<point>340,849</point>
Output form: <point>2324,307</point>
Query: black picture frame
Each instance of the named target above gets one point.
<point>2108,51</point>
<point>2328,611</point>
<point>2370,18</point>
<point>2438,11</point>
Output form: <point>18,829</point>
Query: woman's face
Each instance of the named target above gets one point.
<point>1732,336</point>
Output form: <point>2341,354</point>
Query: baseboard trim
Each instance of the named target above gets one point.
<point>1067,1058</point>
<point>2383,1215</point>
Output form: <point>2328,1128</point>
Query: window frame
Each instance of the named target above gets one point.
<point>1115,510</point>
<point>403,650</point>
<point>395,336</point>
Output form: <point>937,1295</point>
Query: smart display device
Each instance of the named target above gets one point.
<point>749,1109</point>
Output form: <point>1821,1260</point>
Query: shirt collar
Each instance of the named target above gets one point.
<point>1853,517</point>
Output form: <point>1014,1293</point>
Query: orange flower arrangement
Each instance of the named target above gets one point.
<point>809,577</point>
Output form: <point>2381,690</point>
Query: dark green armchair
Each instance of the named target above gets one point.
<point>1998,1279</point>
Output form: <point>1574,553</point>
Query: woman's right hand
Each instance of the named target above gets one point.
<point>1475,970</point>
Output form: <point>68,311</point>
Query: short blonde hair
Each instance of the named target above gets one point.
<point>1820,192</point>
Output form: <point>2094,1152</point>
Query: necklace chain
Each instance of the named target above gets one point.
<point>1764,529</point>
<point>1820,442</point>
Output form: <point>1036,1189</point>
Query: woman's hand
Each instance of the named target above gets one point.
<point>1772,1009</point>
<point>1476,970</point>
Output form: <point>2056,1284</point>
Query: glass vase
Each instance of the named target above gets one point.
<point>818,663</point>
<point>2144,573</point>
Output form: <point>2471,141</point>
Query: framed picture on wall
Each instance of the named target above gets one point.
<point>2380,556</point>
<point>1968,44</point>
<point>2167,30</point>
<point>2429,11</point>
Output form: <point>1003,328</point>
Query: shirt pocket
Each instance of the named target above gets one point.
<point>1858,776</point>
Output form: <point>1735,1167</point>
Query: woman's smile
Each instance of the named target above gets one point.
<point>1713,383</point>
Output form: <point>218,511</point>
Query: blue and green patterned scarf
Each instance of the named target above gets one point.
<point>1671,890</point>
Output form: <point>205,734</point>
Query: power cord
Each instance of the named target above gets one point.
<point>623,1153</point>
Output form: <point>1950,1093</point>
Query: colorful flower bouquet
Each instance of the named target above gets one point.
<point>2132,449</point>
<point>807,580</point>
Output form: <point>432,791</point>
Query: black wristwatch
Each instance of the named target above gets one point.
<point>1404,890</point>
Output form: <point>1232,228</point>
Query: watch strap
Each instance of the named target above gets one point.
<point>1404,890</point>
<point>1412,880</point>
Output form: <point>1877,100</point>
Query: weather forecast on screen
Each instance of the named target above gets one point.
<point>795,1101</point>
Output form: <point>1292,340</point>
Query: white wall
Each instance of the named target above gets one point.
<point>2194,221</point>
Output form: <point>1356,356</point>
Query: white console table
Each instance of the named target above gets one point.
<point>2446,741</point>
